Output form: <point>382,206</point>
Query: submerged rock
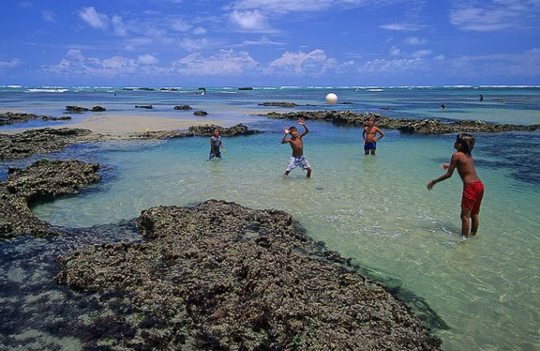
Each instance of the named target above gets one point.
<point>220,276</point>
<point>427,126</point>
<point>200,113</point>
<point>76,109</point>
<point>27,143</point>
<point>42,181</point>
<point>182,107</point>
<point>148,107</point>
<point>98,109</point>
<point>206,130</point>
<point>279,104</point>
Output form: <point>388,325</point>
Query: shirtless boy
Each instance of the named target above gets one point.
<point>473,189</point>
<point>297,146</point>
<point>370,136</point>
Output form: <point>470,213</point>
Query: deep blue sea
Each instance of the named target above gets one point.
<point>485,292</point>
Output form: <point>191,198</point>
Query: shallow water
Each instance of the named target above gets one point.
<point>373,209</point>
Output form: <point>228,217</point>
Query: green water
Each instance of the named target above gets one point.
<point>374,209</point>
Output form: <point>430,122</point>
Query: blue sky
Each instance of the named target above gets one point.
<point>269,42</point>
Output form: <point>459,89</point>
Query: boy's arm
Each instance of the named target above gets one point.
<point>364,134</point>
<point>380,133</point>
<point>284,140</point>
<point>449,171</point>
<point>303,124</point>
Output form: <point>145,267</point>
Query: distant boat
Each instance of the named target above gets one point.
<point>202,91</point>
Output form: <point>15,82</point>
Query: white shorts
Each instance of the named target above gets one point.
<point>298,161</point>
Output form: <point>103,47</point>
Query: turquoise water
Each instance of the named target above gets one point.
<point>373,209</point>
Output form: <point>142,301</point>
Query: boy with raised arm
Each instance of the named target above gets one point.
<point>216,144</point>
<point>297,147</point>
<point>473,189</point>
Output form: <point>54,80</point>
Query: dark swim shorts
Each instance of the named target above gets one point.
<point>472,196</point>
<point>370,146</point>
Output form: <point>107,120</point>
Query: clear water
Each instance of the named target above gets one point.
<point>373,209</point>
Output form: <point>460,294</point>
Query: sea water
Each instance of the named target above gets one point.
<point>374,209</point>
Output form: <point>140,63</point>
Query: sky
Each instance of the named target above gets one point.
<point>269,42</point>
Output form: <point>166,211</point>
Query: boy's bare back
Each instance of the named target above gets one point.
<point>465,167</point>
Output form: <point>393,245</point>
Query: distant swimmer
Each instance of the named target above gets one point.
<point>443,107</point>
<point>481,97</point>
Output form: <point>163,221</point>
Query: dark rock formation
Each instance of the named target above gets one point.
<point>427,126</point>
<point>220,276</point>
<point>98,109</point>
<point>200,113</point>
<point>15,117</point>
<point>182,107</point>
<point>206,130</point>
<point>278,104</point>
<point>27,143</point>
<point>76,109</point>
<point>144,106</point>
<point>42,181</point>
<point>245,88</point>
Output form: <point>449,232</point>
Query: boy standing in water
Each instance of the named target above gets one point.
<point>215,145</point>
<point>297,146</point>
<point>473,189</point>
<point>370,136</point>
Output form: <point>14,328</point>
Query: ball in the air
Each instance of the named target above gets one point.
<point>331,98</point>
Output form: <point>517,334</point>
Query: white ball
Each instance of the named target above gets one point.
<point>331,98</point>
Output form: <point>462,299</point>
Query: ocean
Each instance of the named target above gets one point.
<point>480,295</point>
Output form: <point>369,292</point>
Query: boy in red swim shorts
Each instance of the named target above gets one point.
<point>473,189</point>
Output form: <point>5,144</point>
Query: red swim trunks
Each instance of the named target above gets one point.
<point>472,196</point>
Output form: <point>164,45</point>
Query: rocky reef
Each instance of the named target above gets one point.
<point>426,126</point>
<point>206,130</point>
<point>7,118</point>
<point>44,180</point>
<point>27,143</point>
<point>220,276</point>
<point>182,107</point>
<point>200,113</point>
<point>279,104</point>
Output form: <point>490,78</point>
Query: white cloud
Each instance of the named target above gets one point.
<point>402,27</point>
<point>439,57</point>
<point>414,41</point>
<point>395,51</point>
<point>261,41</point>
<point>147,59</point>
<point>494,15</point>
<point>524,64</point>
<point>284,6</point>
<point>250,20</point>
<point>224,63</point>
<point>193,44</point>
<point>180,25</point>
<point>199,31</point>
<point>93,18</point>
<point>14,62</point>
<point>391,66</point>
<point>422,53</point>
<point>48,16</point>
<point>119,26</point>
<point>302,63</point>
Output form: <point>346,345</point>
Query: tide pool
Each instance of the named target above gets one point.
<point>374,209</point>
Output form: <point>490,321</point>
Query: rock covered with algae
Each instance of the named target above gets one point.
<point>42,181</point>
<point>220,276</point>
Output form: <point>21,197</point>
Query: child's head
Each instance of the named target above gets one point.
<point>370,121</point>
<point>293,131</point>
<point>216,132</point>
<point>465,143</point>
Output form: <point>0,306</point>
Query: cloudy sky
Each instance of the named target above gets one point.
<point>270,42</point>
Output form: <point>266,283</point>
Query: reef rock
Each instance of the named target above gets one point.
<point>220,276</point>
<point>427,126</point>
<point>148,107</point>
<point>200,113</point>
<point>98,109</point>
<point>42,181</point>
<point>206,130</point>
<point>27,143</point>
<point>76,109</point>
<point>15,117</point>
<point>182,107</point>
<point>279,104</point>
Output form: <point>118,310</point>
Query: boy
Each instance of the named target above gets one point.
<point>215,145</point>
<point>473,189</point>
<point>297,146</point>
<point>370,136</point>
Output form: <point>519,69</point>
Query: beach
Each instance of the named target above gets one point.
<point>375,210</point>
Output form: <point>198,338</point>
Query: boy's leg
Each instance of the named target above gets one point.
<point>286,173</point>
<point>373,151</point>
<point>474,224</point>
<point>465,222</point>
<point>308,172</point>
